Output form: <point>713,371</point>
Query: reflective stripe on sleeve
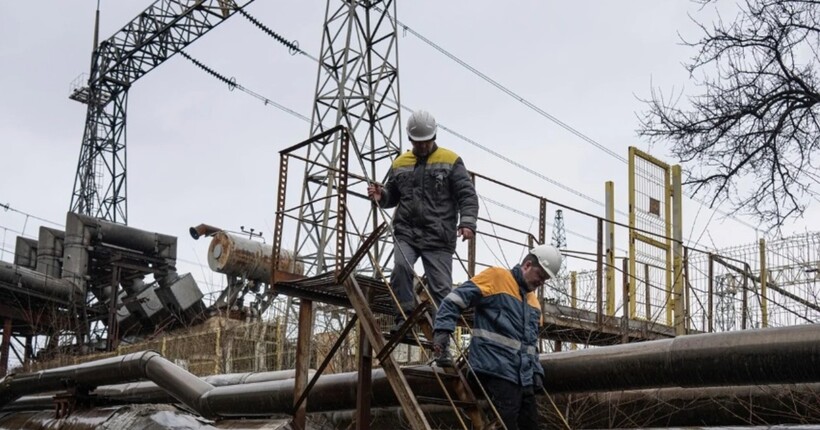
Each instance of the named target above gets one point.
<point>468,219</point>
<point>455,298</point>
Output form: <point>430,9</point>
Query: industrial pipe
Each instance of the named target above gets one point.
<point>780,355</point>
<point>147,242</point>
<point>37,282</point>
<point>75,253</point>
<point>82,230</point>
<point>182,385</point>
<point>149,392</point>
<point>25,252</point>
<point>331,392</point>
<point>668,407</point>
<point>50,251</point>
<point>203,230</point>
<point>753,357</point>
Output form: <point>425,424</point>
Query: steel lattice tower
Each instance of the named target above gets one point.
<point>559,240</point>
<point>162,30</point>
<point>358,88</point>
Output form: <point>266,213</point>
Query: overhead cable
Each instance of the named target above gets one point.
<point>7,207</point>
<point>233,85</point>
<point>546,114</point>
<point>293,47</point>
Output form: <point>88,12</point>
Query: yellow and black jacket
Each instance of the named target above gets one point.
<point>431,193</point>
<point>505,327</point>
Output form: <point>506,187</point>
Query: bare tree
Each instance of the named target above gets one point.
<point>750,134</point>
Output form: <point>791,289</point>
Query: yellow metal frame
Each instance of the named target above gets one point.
<point>664,244</point>
<point>610,248</point>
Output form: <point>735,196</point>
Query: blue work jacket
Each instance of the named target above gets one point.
<point>505,328</point>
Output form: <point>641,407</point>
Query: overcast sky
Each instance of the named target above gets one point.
<point>198,152</point>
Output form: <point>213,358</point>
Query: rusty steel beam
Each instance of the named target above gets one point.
<point>5,346</point>
<point>396,378</point>
<point>304,335</point>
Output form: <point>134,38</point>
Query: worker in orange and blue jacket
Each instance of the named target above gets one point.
<point>504,338</point>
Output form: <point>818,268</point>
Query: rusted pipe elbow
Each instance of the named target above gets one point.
<point>203,230</point>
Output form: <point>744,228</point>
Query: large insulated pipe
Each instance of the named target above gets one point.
<point>25,252</point>
<point>28,279</point>
<point>752,357</point>
<point>668,407</point>
<point>331,392</point>
<point>183,386</point>
<point>780,355</point>
<point>82,230</point>
<point>147,242</point>
<point>75,253</point>
<point>50,251</point>
<point>775,355</point>
<point>149,392</point>
<point>237,256</point>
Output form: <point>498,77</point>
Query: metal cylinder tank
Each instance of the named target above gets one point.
<point>237,256</point>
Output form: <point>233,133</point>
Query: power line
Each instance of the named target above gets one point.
<point>509,92</point>
<point>520,166</point>
<point>7,207</point>
<point>544,113</point>
<point>233,85</point>
<point>294,48</point>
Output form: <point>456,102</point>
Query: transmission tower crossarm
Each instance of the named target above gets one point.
<point>160,31</point>
<point>163,29</point>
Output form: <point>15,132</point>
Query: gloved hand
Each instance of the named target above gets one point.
<point>537,382</point>
<point>441,348</point>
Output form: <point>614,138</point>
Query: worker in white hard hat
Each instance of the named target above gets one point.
<point>435,203</point>
<point>503,347</point>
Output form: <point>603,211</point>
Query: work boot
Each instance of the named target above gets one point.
<point>394,330</point>
<point>444,359</point>
<point>441,349</point>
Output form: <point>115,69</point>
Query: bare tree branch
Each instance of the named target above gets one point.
<point>750,134</point>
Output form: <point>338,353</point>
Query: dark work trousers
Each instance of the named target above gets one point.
<point>438,266</point>
<point>515,404</point>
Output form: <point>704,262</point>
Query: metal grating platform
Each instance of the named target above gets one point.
<point>324,288</point>
<point>561,323</point>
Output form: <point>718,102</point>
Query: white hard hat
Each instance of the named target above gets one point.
<point>549,258</point>
<point>421,126</point>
